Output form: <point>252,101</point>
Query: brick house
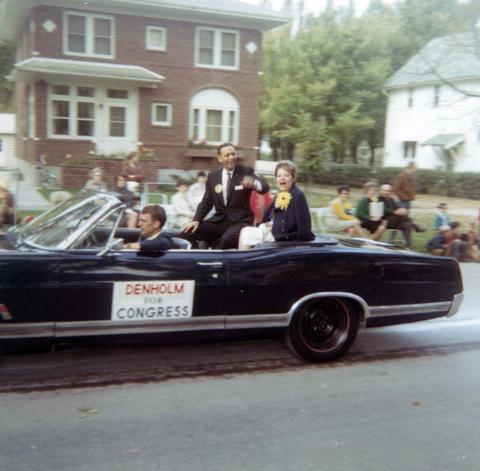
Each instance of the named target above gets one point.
<point>95,80</point>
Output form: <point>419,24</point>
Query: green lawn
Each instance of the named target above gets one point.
<point>421,215</point>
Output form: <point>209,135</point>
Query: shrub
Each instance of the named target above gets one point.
<point>436,182</point>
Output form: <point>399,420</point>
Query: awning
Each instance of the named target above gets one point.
<point>447,141</point>
<point>44,68</point>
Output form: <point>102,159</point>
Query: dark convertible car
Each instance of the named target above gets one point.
<point>64,275</point>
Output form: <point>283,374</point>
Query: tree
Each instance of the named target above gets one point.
<point>322,89</point>
<point>419,21</point>
<point>310,97</point>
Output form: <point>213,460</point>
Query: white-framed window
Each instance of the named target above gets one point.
<point>161,114</point>
<point>71,111</point>
<point>117,121</point>
<point>117,94</point>
<point>88,35</point>
<point>214,116</point>
<point>409,149</point>
<point>217,48</point>
<point>156,38</point>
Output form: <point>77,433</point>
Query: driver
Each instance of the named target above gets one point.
<point>152,219</point>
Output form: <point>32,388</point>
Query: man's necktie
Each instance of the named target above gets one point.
<point>229,186</point>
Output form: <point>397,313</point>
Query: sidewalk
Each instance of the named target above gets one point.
<point>458,206</point>
<point>30,199</point>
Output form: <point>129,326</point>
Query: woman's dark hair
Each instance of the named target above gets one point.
<point>342,188</point>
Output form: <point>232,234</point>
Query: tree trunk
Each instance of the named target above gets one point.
<point>372,140</point>
<point>353,152</point>
<point>288,149</point>
<point>371,145</point>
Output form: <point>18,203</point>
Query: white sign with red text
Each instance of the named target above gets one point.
<point>152,300</point>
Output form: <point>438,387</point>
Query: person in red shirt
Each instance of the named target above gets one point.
<point>259,204</point>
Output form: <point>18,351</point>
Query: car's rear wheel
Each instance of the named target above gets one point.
<point>323,329</point>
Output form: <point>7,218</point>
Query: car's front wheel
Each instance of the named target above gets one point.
<point>323,329</point>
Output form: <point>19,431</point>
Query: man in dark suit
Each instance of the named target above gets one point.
<point>152,220</point>
<point>228,190</point>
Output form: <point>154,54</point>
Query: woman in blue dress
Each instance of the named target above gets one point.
<point>289,212</point>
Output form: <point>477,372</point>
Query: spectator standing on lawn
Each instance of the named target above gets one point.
<point>131,172</point>
<point>196,190</point>
<point>441,216</point>
<point>96,183</point>
<point>181,207</point>
<point>404,186</point>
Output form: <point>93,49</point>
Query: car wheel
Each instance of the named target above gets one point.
<point>322,330</point>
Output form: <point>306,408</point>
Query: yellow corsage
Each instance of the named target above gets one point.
<point>283,200</point>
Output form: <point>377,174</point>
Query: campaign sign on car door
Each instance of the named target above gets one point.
<point>152,300</point>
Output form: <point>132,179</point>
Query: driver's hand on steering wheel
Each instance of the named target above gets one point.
<point>132,245</point>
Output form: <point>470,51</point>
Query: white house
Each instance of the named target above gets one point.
<point>433,114</point>
<point>7,139</point>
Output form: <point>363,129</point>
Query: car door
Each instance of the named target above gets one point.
<point>264,284</point>
<point>270,281</point>
<point>27,294</point>
<point>125,292</point>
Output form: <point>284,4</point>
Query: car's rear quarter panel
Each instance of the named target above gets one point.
<point>396,279</point>
<point>272,281</point>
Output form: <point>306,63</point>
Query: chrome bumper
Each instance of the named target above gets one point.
<point>457,301</point>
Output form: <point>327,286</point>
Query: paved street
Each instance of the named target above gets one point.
<point>405,398</point>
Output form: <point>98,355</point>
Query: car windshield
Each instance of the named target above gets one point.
<point>97,235</point>
<point>60,223</point>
